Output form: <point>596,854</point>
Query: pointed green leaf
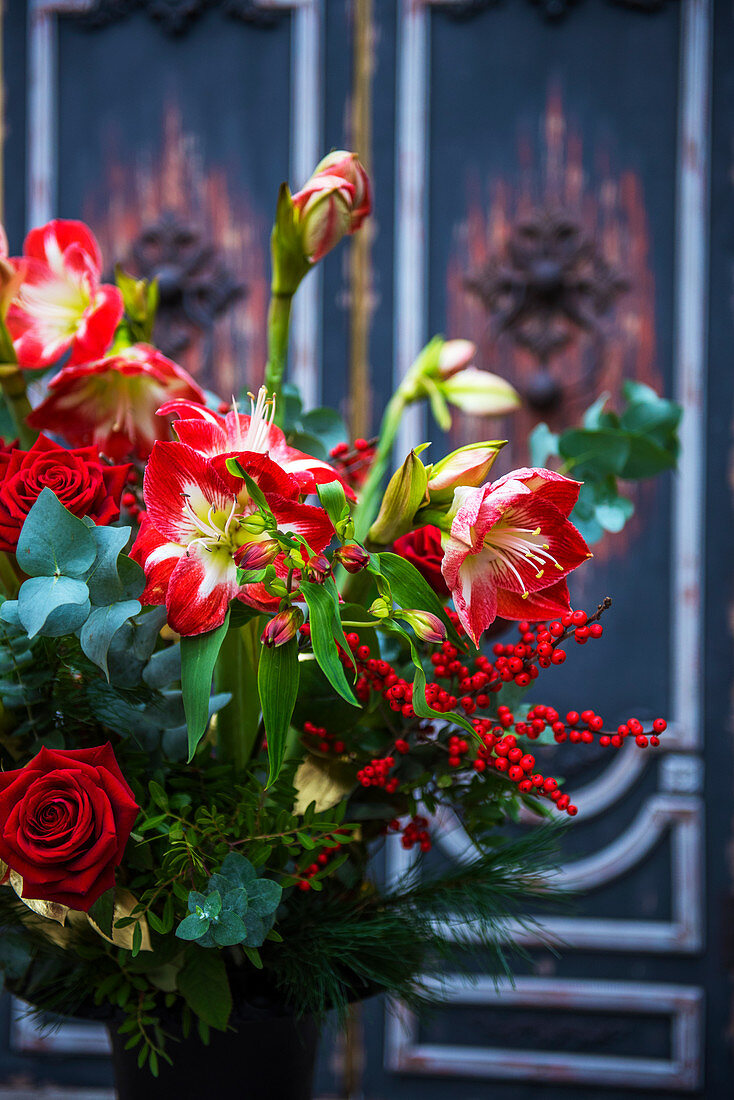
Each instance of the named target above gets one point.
<point>277,681</point>
<point>199,654</point>
<point>326,631</point>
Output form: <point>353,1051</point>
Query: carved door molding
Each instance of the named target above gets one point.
<point>676,809</point>
<point>306,115</point>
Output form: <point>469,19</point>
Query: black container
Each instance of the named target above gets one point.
<point>265,1058</point>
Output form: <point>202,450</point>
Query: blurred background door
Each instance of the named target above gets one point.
<point>551,182</point>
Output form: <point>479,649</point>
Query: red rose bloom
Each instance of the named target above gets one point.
<point>79,479</point>
<point>65,819</point>
<point>422,548</point>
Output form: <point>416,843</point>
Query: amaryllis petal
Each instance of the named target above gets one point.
<point>47,241</point>
<point>561,491</point>
<point>473,590</point>
<point>545,604</point>
<point>199,591</point>
<point>157,557</point>
<point>112,402</point>
<point>310,522</point>
<point>178,480</point>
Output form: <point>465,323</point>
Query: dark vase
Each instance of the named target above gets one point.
<point>265,1058</point>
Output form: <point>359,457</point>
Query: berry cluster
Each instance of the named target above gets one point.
<point>414,832</point>
<point>317,738</point>
<point>322,860</point>
<point>354,462</point>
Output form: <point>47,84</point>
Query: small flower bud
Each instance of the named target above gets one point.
<point>318,568</point>
<point>353,558</point>
<point>254,524</point>
<point>257,555</point>
<point>345,528</point>
<point>333,202</point>
<point>282,627</point>
<point>380,608</point>
<point>455,355</point>
<point>426,626</point>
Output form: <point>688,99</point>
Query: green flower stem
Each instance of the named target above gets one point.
<point>371,495</point>
<point>13,385</point>
<point>9,576</point>
<point>279,316</point>
<point>238,723</point>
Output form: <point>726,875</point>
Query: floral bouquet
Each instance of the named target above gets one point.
<point>234,657</point>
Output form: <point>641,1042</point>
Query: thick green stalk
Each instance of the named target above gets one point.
<point>279,315</point>
<point>236,672</point>
<point>13,385</point>
<point>371,493</point>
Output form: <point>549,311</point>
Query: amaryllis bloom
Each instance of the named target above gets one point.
<point>81,481</point>
<point>65,819</point>
<point>212,434</point>
<point>113,402</point>
<point>199,520</point>
<point>511,547</point>
<point>61,304</point>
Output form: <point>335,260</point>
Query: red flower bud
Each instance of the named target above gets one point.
<point>318,568</point>
<point>426,626</point>
<point>282,627</point>
<point>257,555</point>
<point>353,558</point>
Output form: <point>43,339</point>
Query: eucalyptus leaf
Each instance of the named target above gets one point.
<point>53,541</point>
<point>56,605</point>
<point>95,636</point>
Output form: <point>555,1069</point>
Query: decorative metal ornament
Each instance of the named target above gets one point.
<point>550,283</point>
<point>194,285</point>
<point>175,16</point>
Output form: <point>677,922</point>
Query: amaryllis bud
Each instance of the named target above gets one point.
<point>318,568</point>
<point>455,355</point>
<point>334,201</point>
<point>257,555</point>
<point>254,524</point>
<point>467,466</point>
<point>426,626</point>
<point>347,166</point>
<point>353,558</point>
<point>282,627</point>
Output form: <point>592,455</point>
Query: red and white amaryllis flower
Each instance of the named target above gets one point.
<point>200,519</point>
<point>511,547</point>
<point>113,402</point>
<point>211,435</point>
<point>61,304</point>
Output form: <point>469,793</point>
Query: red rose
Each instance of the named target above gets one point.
<point>422,548</point>
<point>65,819</point>
<point>78,477</point>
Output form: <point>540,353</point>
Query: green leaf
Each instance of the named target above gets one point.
<point>543,443</point>
<point>599,452</point>
<point>327,425</point>
<point>263,897</point>
<point>103,911</point>
<point>254,491</point>
<point>193,927</point>
<point>646,458</point>
<point>113,577</point>
<point>593,415</point>
<point>238,868</point>
<point>55,605</point>
<point>54,541</point>
<point>333,500</point>
<point>277,681</point>
<point>202,982</point>
<point>95,637</point>
<point>326,631</point>
<point>199,654</point>
<point>229,930</point>
<point>612,515</point>
<point>410,589</point>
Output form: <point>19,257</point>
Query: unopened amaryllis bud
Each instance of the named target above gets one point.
<point>282,627</point>
<point>332,203</point>
<point>257,555</point>
<point>404,495</point>
<point>426,626</point>
<point>353,558</point>
<point>318,568</point>
<point>467,466</point>
<point>347,166</point>
<point>455,355</point>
